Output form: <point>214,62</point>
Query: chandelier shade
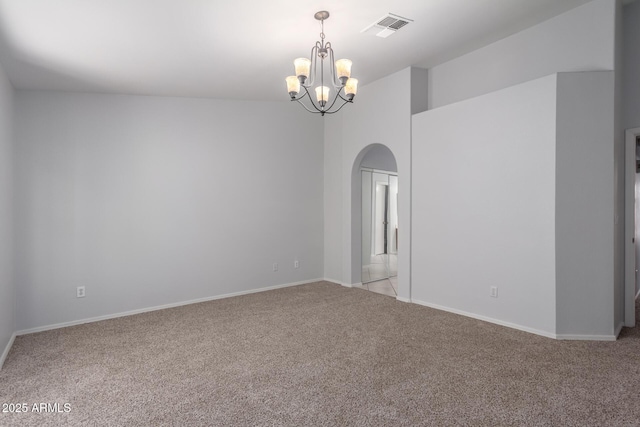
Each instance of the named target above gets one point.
<point>302,66</point>
<point>343,69</point>
<point>322,94</point>
<point>312,71</point>
<point>293,85</point>
<point>351,88</point>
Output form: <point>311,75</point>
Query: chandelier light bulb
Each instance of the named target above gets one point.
<point>322,94</point>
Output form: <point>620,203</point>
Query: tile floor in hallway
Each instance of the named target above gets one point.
<point>385,287</point>
<point>379,267</point>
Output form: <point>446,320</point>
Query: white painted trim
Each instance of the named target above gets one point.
<point>403,299</point>
<point>520,327</point>
<point>487,319</point>
<point>337,282</point>
<point>569,337</point>
<point>159,307</point>
<point>5,353</point>
<point>629,226</point>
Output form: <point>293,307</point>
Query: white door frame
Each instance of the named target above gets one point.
<point>631,136</point>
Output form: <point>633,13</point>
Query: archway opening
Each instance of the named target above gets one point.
<point>375,220</point>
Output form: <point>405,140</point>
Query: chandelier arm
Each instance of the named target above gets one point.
<point>333,103</point>
<point>297,99</point>
<point>344,99</point>
<point>322,80</point>
<point>312,67</point>
<point>334,77</point>
<point>340,108</point>
<point>307,108</point>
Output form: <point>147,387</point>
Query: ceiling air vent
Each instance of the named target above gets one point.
<point>386,25</point>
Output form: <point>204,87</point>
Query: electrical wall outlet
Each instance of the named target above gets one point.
<point>493,292</point>
<point>275,266</point>
<point>80,292</point>
<point>296,264</point>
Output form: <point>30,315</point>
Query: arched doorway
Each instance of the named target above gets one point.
<point>375,219</point>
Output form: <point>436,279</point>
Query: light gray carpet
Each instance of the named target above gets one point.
<point>318,354</point>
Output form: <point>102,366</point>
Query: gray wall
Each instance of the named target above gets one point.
<point>379,157</point>
<point>381,114</point>
<point>333,234</point>
<point>483,203</point>
<point>631,66</point>
<point>419,89</point>
<point>536,219</point>
<point>585,204</point>
<point>581,39</point>
<point>150,200</point>
<point>7,284</point>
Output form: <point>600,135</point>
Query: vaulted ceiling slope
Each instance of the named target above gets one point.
<point>239,49</point>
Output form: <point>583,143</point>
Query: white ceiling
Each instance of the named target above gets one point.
<point>236,49</point>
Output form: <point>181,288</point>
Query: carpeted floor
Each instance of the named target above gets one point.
<point>318,354</point>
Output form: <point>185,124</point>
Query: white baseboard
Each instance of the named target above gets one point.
<point>159,307</point>
<point>570,337</point>
<point>486,319</point>
<point>269,288</point>
<point>338,282</point>
<point>523,328</point>
<point>5,353</point>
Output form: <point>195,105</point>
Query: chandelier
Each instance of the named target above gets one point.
<point>307,74</point>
